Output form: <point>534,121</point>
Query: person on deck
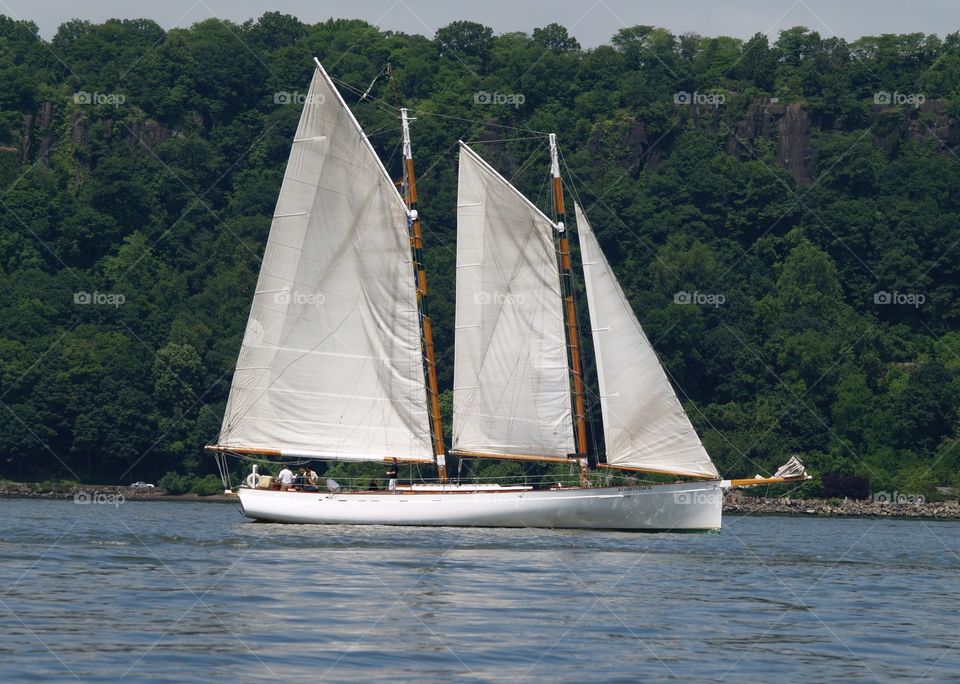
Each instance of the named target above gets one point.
<point>392,475</point>
<point>285,478</point>
<point>310,480</point>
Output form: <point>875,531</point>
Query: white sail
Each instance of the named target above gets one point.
<point>644,425</point>
<point>511,380</point>
<point>331,364</point>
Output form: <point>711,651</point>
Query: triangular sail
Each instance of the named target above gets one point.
<point>644,425</point>
<point>331,364</point>
<point>511,378</point>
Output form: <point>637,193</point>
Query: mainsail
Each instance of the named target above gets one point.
<point>331,364</point>
<point>511,391</point>
<point>644,425</point>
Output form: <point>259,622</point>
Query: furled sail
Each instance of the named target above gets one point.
<point>511,391</point>
<point>644,425</point>
<point>331,364</point>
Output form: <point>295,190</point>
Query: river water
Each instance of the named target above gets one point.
<point>192,592</point>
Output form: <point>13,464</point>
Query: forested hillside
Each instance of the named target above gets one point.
<point>784,217</point>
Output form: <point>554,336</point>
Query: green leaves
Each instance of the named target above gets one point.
<point>798,212</point>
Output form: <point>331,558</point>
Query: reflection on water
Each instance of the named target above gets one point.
<point>193,592</point>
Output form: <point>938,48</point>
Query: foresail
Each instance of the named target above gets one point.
<point>511,378</point>
<point>644,425</point>
<point>331,363</point>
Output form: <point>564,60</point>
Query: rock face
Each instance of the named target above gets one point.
<point>626,142</point>
<point>38,128</point>
<point>40,131</point>
<point>791,126</point>
<point>793,145</point>
<point>930,119</point>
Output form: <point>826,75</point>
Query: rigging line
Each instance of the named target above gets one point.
<point>385,129</point>
<point>498,140</point>
<point>545,184</point>
<point>385,106</point>
<point>356,91</point>
<point>424,112</point>
<point>702,415</point>
<point>570,188</point>
<point>380,73</point>
<point>528,162</point>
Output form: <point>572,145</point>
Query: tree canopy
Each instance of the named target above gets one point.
<point>809,182</point>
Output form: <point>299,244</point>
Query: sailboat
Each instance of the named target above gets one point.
<point>337,360</point>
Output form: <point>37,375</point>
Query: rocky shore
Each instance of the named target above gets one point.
<point>88,493</point>
<point>849,508</point>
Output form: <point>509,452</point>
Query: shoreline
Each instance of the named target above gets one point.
<point>21,490</point>
<point>828,508</point>
<point>733,504</point>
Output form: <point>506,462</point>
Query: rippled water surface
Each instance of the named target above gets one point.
<point>193,592</point>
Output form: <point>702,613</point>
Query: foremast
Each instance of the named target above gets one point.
<point>426,326</point>
<point>569,308</point>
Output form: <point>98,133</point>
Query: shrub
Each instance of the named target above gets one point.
<point>207,486</point>
<point>175,483</point>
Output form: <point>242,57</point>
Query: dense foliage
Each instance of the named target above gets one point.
<point>784,218</point>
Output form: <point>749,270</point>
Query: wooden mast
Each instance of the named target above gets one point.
<point>426,328</point>
<point>566,285</point>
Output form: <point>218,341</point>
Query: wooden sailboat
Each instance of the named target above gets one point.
<point>337,360</point>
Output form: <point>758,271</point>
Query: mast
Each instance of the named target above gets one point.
<point>566,285</point>
<point>426,328</point>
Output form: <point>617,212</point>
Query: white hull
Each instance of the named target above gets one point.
<point>667,507</point>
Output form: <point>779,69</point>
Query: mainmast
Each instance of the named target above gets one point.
<point>426,328</point>
<point>566,286</point>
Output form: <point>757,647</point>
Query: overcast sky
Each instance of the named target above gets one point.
<point>591,21</point>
